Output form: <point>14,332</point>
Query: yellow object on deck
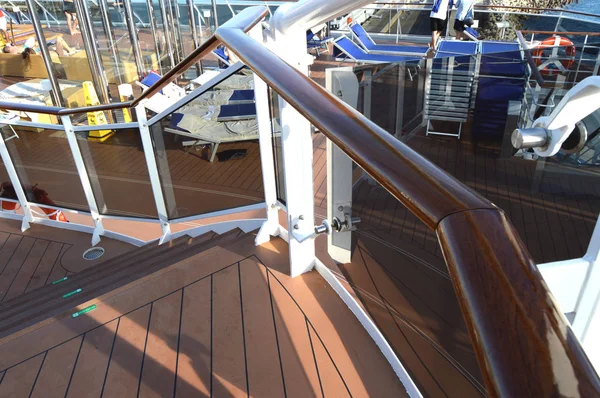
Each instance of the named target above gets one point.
<point>95,118</point>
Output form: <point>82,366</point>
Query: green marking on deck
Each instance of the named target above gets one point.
<point>74,292</point>
<point>60,280</point>
<point>84,311</point>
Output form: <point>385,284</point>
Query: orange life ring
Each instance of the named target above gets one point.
<point>56,215</point>
<point>554,55</point>
<point>8,206</point>
<point>41,197</point>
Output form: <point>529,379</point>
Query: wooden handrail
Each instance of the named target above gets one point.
<point>524,344</point>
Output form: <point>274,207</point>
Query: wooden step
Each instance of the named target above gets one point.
<point>110,277</point>
<point>39,305</point>
<point>132,263</point>
<point>138,255</point>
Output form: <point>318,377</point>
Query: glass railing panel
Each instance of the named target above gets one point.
<point>118,173</point>
<point>374,20</point>
<point>399,97</point>
<point>44,164</point>
<point>485,99</point>
<point>579,24</point>
<point>8,197</point>
<point>502,25</point>
<point>115,42</point>
<point>412,22</point>
<point>207,150</point>
<point>398,273</point>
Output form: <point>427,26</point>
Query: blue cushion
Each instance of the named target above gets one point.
<point>237,112</point>
<point>221,53</point>
<point>242,95</point>
<point>358,54</point>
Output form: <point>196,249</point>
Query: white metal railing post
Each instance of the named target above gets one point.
<point>16,183</point>
<point>575,284</point>
<point>297,149</point>
<point>85,179</point>
<point>271,226</point>
<point>587,310</point>
<point>159,199</point>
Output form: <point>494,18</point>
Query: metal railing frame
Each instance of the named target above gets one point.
<point>505,10</point>
<point>65,114</point>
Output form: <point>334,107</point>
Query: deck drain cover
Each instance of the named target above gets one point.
<point>93,253</point>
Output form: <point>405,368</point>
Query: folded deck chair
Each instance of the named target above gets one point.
<point>10,116</point>
<point>357,54</point>
<point>369,45</point>
<point>471,33</point>
<point>165,97</point>
<point>314,43</point>
<point>221,56</point>
<point>215,125</point>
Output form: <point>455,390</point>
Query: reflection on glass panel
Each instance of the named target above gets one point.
<point>375,20</point>
<point>63,38</point>
<point>399,91</point>
<point>7,191</point>
<point>119,174</point>
<point>412,22</point>
<point>277,148</point>
<point>45,166</point>
<point>207,151</point>
<point>552,200</point>
<point>400,277</point>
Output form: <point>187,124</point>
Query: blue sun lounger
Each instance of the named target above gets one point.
<point>357,54</point>
<point>221,56</point>
<point>371,47</point>
<point>313,43</point>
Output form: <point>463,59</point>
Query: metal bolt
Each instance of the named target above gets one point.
<point>341,208</point>
<point>301,217</point>
<point>529,138</point>
<point>296,226</point>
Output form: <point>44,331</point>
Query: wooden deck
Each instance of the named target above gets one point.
<point>225,323</point>
<point>41,255</point>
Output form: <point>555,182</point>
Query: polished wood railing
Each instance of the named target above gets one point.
<point>523,342</point>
